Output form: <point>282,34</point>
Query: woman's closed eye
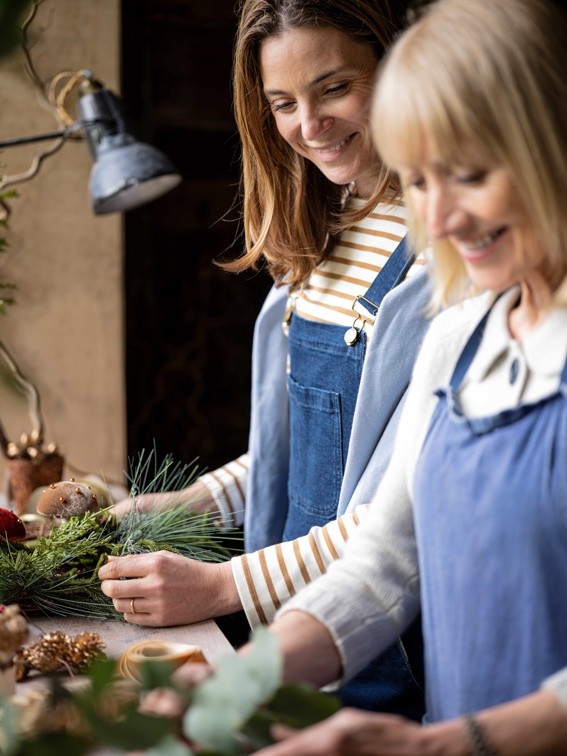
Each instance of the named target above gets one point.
<point>277,106</point>
<point>414,182</point>
<point>470,177</point>
<point>338,89</point>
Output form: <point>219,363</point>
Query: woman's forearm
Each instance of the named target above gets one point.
<point>308,649</point>
<point>535,724</point>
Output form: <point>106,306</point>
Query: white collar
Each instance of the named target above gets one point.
<point>544,349</point>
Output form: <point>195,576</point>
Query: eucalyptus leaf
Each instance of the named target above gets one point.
<point>170,746</point>
<point>156,674</point>
<point>52,744</point>
<point>301,705</point>
<point>9,739</point>
<point>226,701</point>
<point>101,675</point>
<point>133,731</point>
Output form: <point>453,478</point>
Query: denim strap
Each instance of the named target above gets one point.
<point>394,271</point>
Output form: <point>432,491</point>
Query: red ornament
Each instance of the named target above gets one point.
<point>11,527</point>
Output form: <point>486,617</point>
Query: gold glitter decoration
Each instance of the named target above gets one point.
<point>57,651</point>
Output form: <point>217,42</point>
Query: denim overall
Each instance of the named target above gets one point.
<point>325,368</point>
<point>490,505</point>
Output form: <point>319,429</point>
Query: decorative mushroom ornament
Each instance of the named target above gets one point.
<point>67,498</point>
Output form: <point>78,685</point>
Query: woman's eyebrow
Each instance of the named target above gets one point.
<point>314,82</point>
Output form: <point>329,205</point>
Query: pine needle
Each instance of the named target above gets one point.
<point>57,576</point>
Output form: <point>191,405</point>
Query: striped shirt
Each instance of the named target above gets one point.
<point>265,579</point>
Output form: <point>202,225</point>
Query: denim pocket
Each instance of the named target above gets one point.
<point>316,453</point>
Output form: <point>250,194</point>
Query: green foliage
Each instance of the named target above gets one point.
<point>75,720</point>
<point>230,714</point>
<point>216,713</point>
<point>57,574</point>
<point>146,475</point>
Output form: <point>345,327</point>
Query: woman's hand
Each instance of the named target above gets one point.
<point>535,725</point>
<point>351,732</point>
<point>197,498</point>
<point>164,589</point>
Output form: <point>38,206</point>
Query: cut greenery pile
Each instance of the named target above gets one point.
<point>57,574</point>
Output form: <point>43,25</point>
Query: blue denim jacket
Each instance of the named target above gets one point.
<point>396,337</point>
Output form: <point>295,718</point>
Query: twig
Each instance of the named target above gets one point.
<point>4,441</point>
<point>34,402</point>
<point>26,48</point>
<point>38,159</point>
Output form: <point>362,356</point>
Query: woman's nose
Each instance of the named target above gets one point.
<point>443,216</point>
<point>313,123</point>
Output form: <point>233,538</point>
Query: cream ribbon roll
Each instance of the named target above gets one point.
<point>175,654</point>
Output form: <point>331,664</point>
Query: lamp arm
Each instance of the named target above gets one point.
<point>38,159</point>
<point>34,138</point>
<point>65,133</point>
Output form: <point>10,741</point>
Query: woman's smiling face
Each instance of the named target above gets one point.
<point>476,206</point>
<point>318,82</point>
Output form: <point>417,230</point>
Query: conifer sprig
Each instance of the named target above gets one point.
<point>58,574</point>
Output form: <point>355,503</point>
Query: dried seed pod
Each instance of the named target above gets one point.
<point>67,499</point>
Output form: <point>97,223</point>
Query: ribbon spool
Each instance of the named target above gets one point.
<point>175,654</point>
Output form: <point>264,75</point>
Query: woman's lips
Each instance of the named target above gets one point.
<point>331,151</point>
<point>477,248</point>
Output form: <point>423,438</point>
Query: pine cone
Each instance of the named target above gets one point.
<point>57,651</point>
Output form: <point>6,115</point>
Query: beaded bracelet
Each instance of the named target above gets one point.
<point>478,740</point>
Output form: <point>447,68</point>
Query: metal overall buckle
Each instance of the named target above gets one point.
<point>362,307</point>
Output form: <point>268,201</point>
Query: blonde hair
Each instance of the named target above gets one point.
<point>490,73</point>
<point>292,214</point>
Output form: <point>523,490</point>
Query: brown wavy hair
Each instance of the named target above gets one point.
<point>292,214</point>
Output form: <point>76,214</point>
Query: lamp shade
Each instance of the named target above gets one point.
<point>126,173</point>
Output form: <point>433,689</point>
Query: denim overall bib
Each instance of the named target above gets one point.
<point>490,505</point>
<point>325,368</point>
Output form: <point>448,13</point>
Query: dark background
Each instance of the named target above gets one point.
<point>188,323</point>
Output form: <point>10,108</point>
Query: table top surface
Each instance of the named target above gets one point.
<point>118,636</point>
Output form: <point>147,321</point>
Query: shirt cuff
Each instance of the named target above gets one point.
<point>557,684</point>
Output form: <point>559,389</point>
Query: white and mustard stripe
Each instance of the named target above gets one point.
<point>228,488</point>
<point>265,579</point>
<point>353,265</point>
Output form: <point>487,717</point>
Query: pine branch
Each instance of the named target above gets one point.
<point>58,574</point>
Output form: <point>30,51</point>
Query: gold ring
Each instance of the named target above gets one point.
<point>132,607</point>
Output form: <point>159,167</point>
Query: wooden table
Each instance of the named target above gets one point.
<point>118,636</point>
